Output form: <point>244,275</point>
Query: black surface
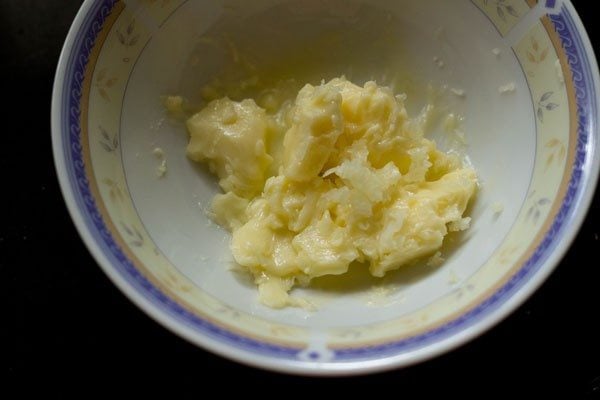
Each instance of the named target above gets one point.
<point>62,318</point>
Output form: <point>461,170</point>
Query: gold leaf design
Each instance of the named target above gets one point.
<point>226,310</point>
<point>101,75</point>
<point>280,331</point>
<point>103,82</point>
<point>173,282</point>
<point>115,193</point>
<point>111,82</point>
<point>557,151</point>
<point>464,290</point>
<point>562,152</point>
<point>535,54</point>
<point>103,94</point>
<point>506,255</point>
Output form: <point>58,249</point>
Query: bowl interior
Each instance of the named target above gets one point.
<point>392,43</point>
<point>500,66</point>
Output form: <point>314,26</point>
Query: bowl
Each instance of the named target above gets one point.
<point>521,72</point>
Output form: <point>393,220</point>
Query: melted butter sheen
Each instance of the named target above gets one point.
<point>339,175</point>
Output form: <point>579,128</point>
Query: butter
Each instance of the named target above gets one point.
<point>161,170</point>
<point>338,175</point>
<point>174,104</point>
<point>458,92</point>
<point>231,137</point>
<point>508,88</point>
<point>497,208</point>
<point>436,260</point>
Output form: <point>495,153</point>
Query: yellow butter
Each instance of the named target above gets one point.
<point>231,137</point>
<point>339,175</point>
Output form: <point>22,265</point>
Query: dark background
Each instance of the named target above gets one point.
<point>61,318</point>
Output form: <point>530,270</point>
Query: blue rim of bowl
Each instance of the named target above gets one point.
<point>69,136</point>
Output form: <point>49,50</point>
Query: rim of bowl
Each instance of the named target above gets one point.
<point>411,357</point>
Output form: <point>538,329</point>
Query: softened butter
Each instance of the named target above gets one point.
<point>338,175</point>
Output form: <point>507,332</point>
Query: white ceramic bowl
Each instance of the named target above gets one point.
<point>535,148</point>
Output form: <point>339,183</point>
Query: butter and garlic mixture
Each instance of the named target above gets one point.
<point>339,175</point>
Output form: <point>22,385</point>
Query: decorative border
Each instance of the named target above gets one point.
<point>573,47</point>
<point>504,14</point>
<point>584,90</point>
<point>72,92</point>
